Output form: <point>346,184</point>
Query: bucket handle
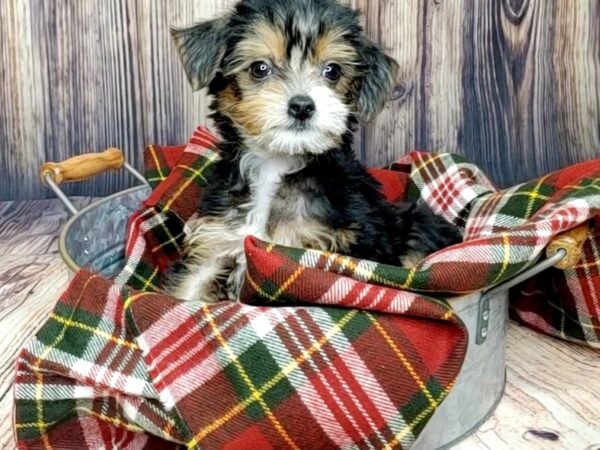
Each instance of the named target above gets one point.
<point>563,252</point>
<point>82,167</point>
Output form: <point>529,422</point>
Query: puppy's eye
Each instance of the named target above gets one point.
<point>332,72</point>
<point>260,70</point>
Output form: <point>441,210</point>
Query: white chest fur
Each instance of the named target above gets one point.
<point>215,244</point>
<point>264,174</point>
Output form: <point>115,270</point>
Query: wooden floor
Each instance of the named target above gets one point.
<point>552,399</point>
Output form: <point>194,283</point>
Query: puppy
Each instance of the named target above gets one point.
<point>291,79</point>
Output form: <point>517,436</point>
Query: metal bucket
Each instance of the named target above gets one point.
<point>81,245</point>
<point>480,383</point>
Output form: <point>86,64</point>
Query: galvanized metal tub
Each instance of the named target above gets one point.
<point>82,245</point>
<point>481,381</point>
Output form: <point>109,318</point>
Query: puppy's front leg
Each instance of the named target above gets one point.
<point>202,273</point>
<point>198,280</point>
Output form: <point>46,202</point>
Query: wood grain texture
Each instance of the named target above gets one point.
<point>31,278</point>
<point>552,398</point>
<point>81,76</point>
<point>512,84</point>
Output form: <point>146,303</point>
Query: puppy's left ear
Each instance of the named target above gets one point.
<point>201,48</point>
<point>380,74</point>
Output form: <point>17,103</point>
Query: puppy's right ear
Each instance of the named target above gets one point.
<point>201,48</point>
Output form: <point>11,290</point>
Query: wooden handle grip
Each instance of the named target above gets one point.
<point>83,166</point>
<point>572,242</point>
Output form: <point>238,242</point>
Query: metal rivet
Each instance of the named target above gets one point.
<point>85,239</point>
<point>86,251</point>
<point>484,332</point>
<point>485,315</point>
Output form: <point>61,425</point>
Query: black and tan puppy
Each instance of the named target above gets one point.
<point>291,79</point>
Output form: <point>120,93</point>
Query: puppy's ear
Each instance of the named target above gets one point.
<point>380,72</point>
<point>201,48</point>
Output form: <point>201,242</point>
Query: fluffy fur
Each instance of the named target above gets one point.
<point>287,173</point>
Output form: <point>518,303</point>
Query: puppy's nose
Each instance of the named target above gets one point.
<point>301,107</point>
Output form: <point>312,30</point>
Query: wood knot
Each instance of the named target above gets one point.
<point>399,92</point>
<point>548,435</point>
<point>515,10</point>
<point>516,5</point>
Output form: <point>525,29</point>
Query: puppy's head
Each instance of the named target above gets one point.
<point>290,75</point>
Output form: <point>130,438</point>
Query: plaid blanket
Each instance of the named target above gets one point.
<point>322,351</point>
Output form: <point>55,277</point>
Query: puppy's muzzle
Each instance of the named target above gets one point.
<point>301,107</point>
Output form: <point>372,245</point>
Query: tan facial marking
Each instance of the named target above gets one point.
<point>227,99</point>
<point>263,42</point>
<point>230,105</point>
<point>332,47</point>
<point>256,105</point>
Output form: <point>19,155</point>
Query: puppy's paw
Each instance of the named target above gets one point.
<point>411,259</point>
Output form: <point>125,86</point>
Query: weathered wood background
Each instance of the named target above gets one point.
<point>512,84</point>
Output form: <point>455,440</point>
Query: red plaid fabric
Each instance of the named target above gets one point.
<point>507,231</point>
<point>323,350</point>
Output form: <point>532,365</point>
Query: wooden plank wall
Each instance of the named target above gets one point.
<point>512,84</point>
